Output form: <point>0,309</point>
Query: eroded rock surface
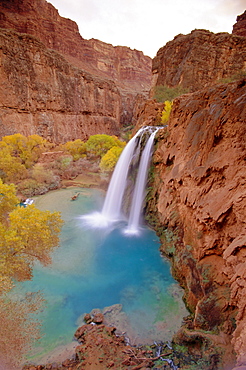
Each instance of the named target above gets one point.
<point>199,59</point>
<point>200,195</point>
<point>41,93</point>
<point>239,27</point>
<point>129,71</point>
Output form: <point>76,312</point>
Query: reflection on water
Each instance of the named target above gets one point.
<point>96,269</point>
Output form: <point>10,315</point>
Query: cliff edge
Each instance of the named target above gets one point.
<point>199,194</point>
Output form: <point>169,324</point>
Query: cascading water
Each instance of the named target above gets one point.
<point>112,208</point>
<point>113,201</point>
<point>139,189</point>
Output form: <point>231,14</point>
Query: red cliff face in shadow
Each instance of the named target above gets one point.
<point>200,194</point>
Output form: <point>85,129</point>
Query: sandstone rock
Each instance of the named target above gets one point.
<point>199,59</point>
<point>98,318</point>
<point>239,27</point>
<point>87,318</point>
<point>41,93</point>
<point>201,206</point>
<point>129,69</point>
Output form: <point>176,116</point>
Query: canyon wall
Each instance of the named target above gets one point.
<point>41,93</point>
<point>239,27</point>
<point>198,207</point>
<point>199,59</point>
<point>130,70</point>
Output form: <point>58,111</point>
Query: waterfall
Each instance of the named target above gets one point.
<point>112,208</point>
<point>139,189</point>
<point>113,201</point>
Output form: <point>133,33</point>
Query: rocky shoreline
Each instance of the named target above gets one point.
<point>100,345</point>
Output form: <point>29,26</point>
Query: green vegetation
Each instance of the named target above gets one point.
<point>98,145</point>
<point>27,234</point>
<point>237,76</point>
<point>23,164</point>
<point>163,92</point>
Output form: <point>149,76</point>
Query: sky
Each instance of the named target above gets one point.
<point>147,25</point>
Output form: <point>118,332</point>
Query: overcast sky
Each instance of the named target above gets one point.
<point>147,25</point>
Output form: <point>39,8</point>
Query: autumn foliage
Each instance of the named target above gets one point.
<point>166,112</point>
<point>27,235</point>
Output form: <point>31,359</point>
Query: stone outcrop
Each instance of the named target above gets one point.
<point>199,59</point>
<point>129,69</point>
<point>41,93</point>
<point>198,206</point>
<point>239,27</point>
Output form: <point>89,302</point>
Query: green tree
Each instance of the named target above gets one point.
<point>98,145</point>
<point>110,159</point>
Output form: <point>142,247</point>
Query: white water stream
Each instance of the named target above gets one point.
<point>112,208</point>
<point>139,189</point>
<point>113,201</point>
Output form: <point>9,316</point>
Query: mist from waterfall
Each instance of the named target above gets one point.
<point>112,209</point>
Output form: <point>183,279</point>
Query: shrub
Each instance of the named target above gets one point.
<point>110,159</point>
<point>41,182</point>
<point>76,148</point>
<point>237,76</point>
<point>166,112</point>
<point>98,145</point>
<point>163,92</point>
<point>27,149</point>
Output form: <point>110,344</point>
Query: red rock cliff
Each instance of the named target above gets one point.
<point>41,93</point>
<point>199,193</point>
<point>199,59</point>
<point>130,69</point>
<point>239,27</point>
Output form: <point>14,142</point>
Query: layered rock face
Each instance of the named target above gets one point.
<point>239,27</point>
<point>199,193</point>
<point>41,93</point>
<point>199,59</point>
<point>129,69</point>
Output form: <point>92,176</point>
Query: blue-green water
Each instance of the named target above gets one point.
<point>100,268</point>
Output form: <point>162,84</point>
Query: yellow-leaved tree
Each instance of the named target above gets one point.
<point>166,112</point>
<point>110,159</point>
<point>76,148</point>
<point>26,235</point>
<point>99,144</point>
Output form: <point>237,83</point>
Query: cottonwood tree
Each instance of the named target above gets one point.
<point>166,112</point>
<point>26,235</point>
<point>99,144</point>
<point>110,159</point>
